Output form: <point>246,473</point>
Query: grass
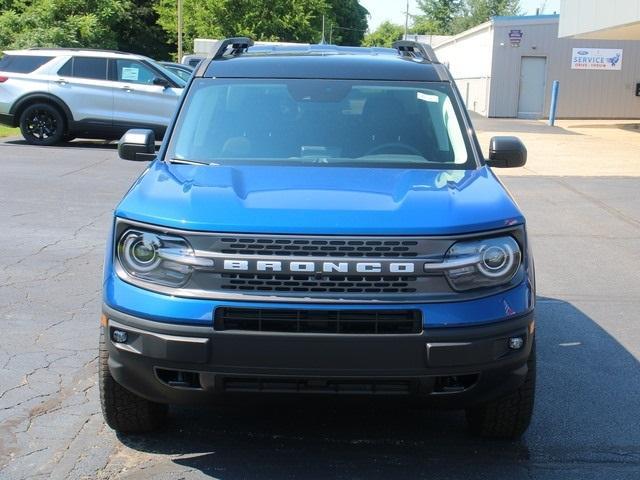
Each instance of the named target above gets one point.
<point>8,131</point>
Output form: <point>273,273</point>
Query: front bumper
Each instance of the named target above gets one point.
<point>455,367</point>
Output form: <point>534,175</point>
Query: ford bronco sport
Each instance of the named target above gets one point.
<point>319,220</point>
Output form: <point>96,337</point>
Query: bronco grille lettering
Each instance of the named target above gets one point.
<point>318,267</point>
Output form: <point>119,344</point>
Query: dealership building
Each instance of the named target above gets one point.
<point>506,67</point>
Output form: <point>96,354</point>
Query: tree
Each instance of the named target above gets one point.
<point>140,33</point>
<point>128,25</point>
<point>450,17</point>
<point>480,11</point>
<point>439,15</point>
<point>348,22</point>
<point>384,35</point>
<point>61,23</point>
<point>266,20</point>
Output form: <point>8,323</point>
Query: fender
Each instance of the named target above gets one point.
<point>36,96</point>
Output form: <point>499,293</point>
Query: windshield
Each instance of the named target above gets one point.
<point>175,78</point>
<point>331,122</point>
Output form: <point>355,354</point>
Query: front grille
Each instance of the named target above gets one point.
<point>314,284</point>
<point>306,247</point>
<point>318,321</point>
<point>301,385</point>
<point>246,280</point>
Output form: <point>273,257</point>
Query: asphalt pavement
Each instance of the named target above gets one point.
<point>55,208</point>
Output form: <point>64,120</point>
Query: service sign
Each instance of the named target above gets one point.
<point>596,59</point>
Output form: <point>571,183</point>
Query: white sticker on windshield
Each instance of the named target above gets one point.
<point>130,73</point>
<point>428,98</point>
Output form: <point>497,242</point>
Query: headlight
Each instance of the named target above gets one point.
<point>480,263</point>
<point>155,258</point>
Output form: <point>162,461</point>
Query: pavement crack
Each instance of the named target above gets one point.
<point>603,205</point>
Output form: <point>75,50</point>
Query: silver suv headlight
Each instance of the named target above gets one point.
<point>480,263</point>
<point>160,259</point>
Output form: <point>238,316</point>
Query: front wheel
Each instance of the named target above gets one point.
<point>42,124</point>
<point>507,417</point>
<point>124,411</point>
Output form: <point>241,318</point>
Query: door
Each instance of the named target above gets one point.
<point>82,83</point>
<point>533,77</point>
<point>137,101</point>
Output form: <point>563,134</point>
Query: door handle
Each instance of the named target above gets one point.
<point>61,81</point>
<point>126,88</point>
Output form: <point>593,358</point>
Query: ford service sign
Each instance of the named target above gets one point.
<point>596,59</point>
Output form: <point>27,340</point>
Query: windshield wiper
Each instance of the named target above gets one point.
<point>190,162</point>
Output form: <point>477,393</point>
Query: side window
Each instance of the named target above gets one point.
<point>132,71</point>
<point>89,67</point>
<point>22,63</point>
<point>67,69</point>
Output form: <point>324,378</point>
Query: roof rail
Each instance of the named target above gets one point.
<point>238,46</point>
<point>78,49</point>
<point>409,48</point>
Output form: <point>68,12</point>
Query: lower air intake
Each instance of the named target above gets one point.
<point>365,322</point>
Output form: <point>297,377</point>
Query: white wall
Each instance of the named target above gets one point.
<point>600,19</point>
<point>583,93</point>
<point>469,57</point>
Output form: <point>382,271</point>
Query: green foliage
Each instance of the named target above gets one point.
<point>449,17</point>
<point>438,15</point>
<point>384,35</point>
<point>480,11</point>
<point>349,21</point>
<point>62,23</point>
<point>266,20</point>
<point>140,32</point>
<point>150,26</point>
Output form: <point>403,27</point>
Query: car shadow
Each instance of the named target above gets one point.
<point>81,143</point>
<point>587,399</point>
<point>516,125</point>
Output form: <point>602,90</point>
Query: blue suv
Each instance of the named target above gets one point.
<point>319,220</point>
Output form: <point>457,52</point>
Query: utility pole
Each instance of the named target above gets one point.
<point>180,31</point>
<point>323,41</point>
<point>406,21</point>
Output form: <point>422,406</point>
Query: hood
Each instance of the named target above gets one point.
<point>319,200</point>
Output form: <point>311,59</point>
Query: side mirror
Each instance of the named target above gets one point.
<point>161,82</point>
<point>137,144</point>
<point>507,152</point>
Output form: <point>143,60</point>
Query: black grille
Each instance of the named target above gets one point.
<point>305,247</point>
<point>314,284</point>
<point>319,321</point>
<point>301,385</point>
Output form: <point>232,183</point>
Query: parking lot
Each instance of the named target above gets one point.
<point>581,195</point>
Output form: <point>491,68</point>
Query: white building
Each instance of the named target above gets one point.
<point>506,67</point>
<point>595,19</point>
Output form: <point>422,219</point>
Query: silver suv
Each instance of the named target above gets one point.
<point>59,94</point>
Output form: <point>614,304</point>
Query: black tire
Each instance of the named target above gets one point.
<point>507,417</point>
<point>123,410</point>
<point>42,124</point>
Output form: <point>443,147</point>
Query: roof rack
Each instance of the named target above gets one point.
<point>238,46</point>
<point>409,48</point>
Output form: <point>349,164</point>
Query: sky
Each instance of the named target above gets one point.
<point>393,10</point>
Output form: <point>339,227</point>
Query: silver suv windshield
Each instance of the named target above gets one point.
<point>176,79</point>
<point>331,122</point>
